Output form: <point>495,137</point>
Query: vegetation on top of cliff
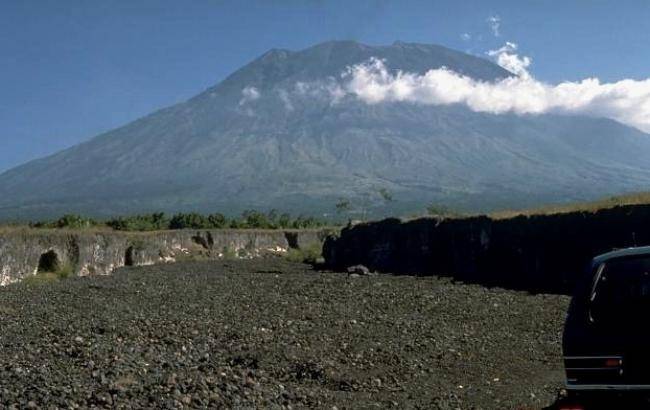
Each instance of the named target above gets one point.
<point>637,198</point>
<point>250,219</point>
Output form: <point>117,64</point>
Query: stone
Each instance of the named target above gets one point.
<point>358,270</point>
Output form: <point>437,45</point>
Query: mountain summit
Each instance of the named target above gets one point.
<point>278,133</point>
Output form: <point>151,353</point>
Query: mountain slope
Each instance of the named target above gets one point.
<point>270,135</point>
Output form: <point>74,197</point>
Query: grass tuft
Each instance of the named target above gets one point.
<point>40,278</point>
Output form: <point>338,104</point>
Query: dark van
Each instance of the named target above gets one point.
<point>606,339</point>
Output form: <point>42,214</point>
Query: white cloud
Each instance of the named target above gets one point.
<point>508,59</point>
<point>495,25</point>
<point>627,101</point>
<point>249,94</point>
<point>466,37</point>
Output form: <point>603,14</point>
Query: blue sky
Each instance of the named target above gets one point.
<point>70,69</point>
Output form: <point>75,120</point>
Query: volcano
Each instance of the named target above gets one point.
<point>276,135</point>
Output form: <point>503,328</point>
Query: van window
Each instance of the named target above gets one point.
<point>622,291</point>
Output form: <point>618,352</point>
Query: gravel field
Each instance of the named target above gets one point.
<point>267,333</point>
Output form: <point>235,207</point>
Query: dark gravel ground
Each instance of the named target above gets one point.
<point>272,334</point>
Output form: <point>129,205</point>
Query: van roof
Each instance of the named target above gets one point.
<point>641,250</point>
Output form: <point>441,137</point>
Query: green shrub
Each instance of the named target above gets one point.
<point>152,222</point>
<point>256,220</point>
<point>310,254</point>
<point>65,271</point>
<point>217,221</point>
<point>189,221</point>
<point>69,221</point>
<point>197,221</point>
<point>228,253</point>
<point>306,222</point>
<point>284,221</point>
<point>250,219</point>
<point>75,222</point>
<point>62,272</point>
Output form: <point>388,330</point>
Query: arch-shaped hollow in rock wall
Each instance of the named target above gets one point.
<point>201,241</point>
<point>292,239</point>
<point>128,257</point>
<point>49,262</point>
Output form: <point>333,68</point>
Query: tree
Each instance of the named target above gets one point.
<point>217,221</point>
<point>284,221</point>
<point>255,219</point>
<point>189,221</point>
<point>272,217</point>
<point>74,222</point>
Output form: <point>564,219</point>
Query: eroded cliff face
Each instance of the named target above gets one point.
<point>23,252</point>
<point>542,253</point>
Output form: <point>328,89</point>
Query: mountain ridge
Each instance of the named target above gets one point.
<point>279,145</point>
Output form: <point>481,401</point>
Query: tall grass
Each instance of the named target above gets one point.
<point>639,198</point>
<point>62,272</point>
<point>310,254</point>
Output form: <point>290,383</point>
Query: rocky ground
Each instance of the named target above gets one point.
<point>273,334</point>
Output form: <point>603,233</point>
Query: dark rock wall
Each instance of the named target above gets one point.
<point>99,253</point>
<point>543,253</point>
